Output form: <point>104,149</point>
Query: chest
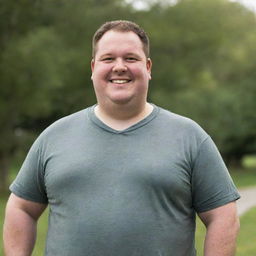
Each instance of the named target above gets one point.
<point>119,166</point>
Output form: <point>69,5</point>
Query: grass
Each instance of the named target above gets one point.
<point>200,234</point>
<point>2,207</point>
<point>247,236</point>
<point>244,178</point>
<point>41,234</point>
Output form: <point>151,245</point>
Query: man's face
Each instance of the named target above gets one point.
<point>120,69</point>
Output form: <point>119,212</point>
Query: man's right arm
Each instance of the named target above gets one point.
<point>20,224</point>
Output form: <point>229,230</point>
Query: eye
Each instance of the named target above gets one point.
<point>107,59</point>
<point>131,59</point>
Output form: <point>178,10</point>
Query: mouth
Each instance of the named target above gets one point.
<point>120,81</point>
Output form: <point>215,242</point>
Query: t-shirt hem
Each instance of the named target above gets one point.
<point>219,202</point>
<point>15,189</point>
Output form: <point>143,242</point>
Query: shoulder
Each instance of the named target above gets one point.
<point>180,125</point>
<point>62,128</point>
<point>68,122</point>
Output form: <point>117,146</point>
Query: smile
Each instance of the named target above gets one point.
<point>120,81</point>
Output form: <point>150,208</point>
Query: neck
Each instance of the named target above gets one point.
<point>122,117</point>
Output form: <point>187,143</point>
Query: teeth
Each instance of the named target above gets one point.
<point>120,81</point>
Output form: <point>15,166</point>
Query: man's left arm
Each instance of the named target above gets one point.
<point>222,226</point>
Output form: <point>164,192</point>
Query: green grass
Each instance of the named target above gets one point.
<point>41,234</point>
<point>247,236</point>
<point>2,208</point>
<point>200,234</point>
<point>244,178</point>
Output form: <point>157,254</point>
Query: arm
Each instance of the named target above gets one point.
<point>222,225</point>
<point>20,226</point>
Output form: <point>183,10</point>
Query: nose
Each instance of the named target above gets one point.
<point>119,66</point>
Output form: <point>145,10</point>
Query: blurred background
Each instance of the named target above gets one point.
<point>204,67</point>
<point>204,61</point>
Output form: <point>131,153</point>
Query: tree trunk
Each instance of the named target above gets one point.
<point>235,162</point>
<point>4,173</point>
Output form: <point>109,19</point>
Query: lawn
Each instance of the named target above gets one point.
<point>2,206</point>
<point>244,178</point>
<point>247,236</point>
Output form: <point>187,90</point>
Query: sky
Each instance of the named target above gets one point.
<point>251,4</point>
<point>141,4</point>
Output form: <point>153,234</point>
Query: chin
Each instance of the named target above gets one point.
<point>120,98</point>
<point>121,101</point>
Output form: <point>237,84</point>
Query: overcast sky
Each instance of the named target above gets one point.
<point>141,4</point>
<point>251,4</point>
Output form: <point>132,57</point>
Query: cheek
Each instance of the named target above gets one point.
<point>144,75</point>
<point>100,72</point>
<point>138,72</point>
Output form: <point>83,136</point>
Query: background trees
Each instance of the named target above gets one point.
<point>204,56</point>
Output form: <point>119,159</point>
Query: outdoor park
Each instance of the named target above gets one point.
<point>204,59</point>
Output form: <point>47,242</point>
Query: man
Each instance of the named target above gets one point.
<point>123,177</point>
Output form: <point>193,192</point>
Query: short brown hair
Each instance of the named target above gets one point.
<point>121,26</point>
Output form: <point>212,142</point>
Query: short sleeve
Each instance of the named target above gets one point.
<point>29,183</point>
<point>212,185</point>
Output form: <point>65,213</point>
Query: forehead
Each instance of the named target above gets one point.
<point>113,41</point>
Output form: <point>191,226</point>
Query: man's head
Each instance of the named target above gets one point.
<point>120,67</point>
<point>121,26</point>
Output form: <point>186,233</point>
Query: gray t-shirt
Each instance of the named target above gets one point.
<point>124,193</point>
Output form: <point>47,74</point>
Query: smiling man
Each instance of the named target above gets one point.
<point>120,73</point>
<point>123,177</point>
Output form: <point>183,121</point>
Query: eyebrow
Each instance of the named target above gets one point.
<point>127,54</point>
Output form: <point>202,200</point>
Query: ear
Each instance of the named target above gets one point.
<point>92,66</point>
<point>149,66</point>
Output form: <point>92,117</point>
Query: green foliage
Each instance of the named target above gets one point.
<point>31,72</point>
<point>249,162</point>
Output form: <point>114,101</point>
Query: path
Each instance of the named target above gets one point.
<point>247,200</point>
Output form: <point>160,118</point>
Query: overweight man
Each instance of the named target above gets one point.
<point>123,177</point>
